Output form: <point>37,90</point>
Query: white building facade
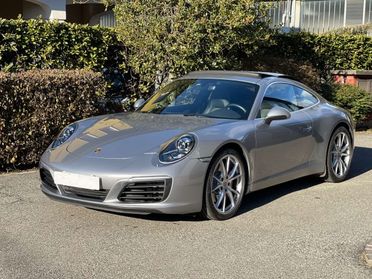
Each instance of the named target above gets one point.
<point>91,12</point>
<point>319,16</point>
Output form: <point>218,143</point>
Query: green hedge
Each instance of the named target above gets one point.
<point>43,44</point>
<point>355,100</point>
<point>37,104</point>
<point>174,37</point>
<point>30,44</point>
<point>171,38</point>
<point>325,52</point>
<point>36,43</point>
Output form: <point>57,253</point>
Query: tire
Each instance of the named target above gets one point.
<point>224,190</point>
<point>339,155</point>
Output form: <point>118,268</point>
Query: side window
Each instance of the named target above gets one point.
<point>279,94</point>
<point>304,98</point>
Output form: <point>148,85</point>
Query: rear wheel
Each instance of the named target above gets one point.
<point>339,155</point>
<point>225,186</point>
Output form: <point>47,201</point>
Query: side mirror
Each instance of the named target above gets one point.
<point>138,103</point>
<point>277,113</point>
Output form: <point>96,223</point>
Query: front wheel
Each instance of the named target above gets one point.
<point>339,155</point>
<point>225,186</point>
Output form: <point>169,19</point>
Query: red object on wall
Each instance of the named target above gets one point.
<point>345,79</point>
<point>362,79</point>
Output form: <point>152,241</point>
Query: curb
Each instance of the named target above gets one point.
<point>18,172</point>
<point>368,254</point>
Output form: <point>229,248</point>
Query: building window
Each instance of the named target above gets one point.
<point>320,16</point>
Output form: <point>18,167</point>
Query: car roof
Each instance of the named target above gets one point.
<point>255,77</point>
<point>252,76</point>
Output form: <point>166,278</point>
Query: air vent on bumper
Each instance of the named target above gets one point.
<point>146,191</point>
<point>47,180</point>
<point>85,193</point>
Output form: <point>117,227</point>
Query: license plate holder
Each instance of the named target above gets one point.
<point>89,182</point>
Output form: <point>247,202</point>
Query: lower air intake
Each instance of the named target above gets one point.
<point>146,191</point>
<point>47,180</point>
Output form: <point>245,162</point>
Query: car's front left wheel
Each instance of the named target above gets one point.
<point>225,185</point>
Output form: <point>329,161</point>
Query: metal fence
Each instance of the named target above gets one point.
<point>320,16</point>
<point>107,19</point>
<point>281,12</point>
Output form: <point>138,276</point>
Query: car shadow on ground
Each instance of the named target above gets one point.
<point>362,163</point>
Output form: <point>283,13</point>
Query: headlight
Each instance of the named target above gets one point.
<point>64,135</point>
<point>177,149</point>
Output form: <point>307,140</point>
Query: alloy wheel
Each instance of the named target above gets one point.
<point>340,154</point>
<point>227,184</point>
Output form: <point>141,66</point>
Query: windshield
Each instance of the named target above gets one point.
<point>204,97</point>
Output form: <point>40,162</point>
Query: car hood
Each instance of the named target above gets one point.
<point>121,136</point>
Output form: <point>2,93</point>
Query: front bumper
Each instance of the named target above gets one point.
<point>183,195</point>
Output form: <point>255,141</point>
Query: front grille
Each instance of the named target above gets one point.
<point>85,193</point>
<point>146,191</point>
<point>47,180</point>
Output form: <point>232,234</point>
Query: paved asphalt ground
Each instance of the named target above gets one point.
<point>301,229</point>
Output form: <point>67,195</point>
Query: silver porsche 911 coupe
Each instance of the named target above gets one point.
<point>200,144</point>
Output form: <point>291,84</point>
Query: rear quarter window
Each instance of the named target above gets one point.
<point>304,98</point>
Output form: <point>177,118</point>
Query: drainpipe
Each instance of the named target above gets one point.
<point>345,11</point>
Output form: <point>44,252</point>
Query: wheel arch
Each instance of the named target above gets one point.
<point>348,127</point>
<point>239,148</point>
<point>339,124</point>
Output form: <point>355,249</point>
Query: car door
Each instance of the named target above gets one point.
<point>282,147</point>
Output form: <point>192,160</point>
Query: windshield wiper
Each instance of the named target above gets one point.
<point>194,114</point>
